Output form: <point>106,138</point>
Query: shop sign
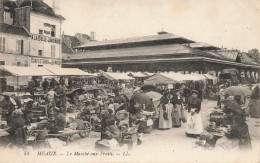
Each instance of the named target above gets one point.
<point>45,61</point>
<point>45,38</point>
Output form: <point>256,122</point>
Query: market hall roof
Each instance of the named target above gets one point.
<point>147,51</point>
<point>203,46</point>
<point>149,54</point>
<point>166,38</point>
<point>5,28</point>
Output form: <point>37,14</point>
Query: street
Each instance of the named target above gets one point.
<point>174,143</point>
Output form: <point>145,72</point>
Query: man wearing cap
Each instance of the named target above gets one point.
<point>194,123</point>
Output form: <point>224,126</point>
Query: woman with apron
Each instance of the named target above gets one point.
<point>194,122</point>
<point>177,112</point>
<point>165,109</point>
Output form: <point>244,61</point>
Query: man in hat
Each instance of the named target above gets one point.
<point>61,98</point>
<point>17,127</point>
<point>7,106</point>
<point>31,86</point>
<point>45,85</point>
<point>194,122</point>
<point>58,121</point>
<point>53,83</point>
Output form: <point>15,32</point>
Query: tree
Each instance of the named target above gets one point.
<point>254,54</point>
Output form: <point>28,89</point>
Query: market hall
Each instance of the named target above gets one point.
<point>163,52</point>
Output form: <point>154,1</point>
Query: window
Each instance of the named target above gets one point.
<point>2,62</point>
<point>40,31</point>
<point>19,64</point>
<point>39,52</point>
<point>2,44</point>
<point>53,29</point>
<point>19,46</point>
<point>53,51</point>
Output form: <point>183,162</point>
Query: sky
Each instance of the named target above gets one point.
<point>222,23</point>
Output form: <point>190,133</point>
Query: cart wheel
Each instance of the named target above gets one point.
<point>86,130</point>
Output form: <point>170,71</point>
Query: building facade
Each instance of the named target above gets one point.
<point>30,34</point>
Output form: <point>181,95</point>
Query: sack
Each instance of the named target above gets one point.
<point>165,115</point>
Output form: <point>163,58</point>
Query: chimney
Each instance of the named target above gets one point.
<point>92,36</point>
<point>162,32</point>
<point>55,7</point>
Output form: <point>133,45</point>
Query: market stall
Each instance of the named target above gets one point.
<point>171,78</point>
<point>114,78</point>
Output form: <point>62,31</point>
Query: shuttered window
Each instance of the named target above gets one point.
<point>53,51</point>
<point>2,44</point>
<point>19,46</point>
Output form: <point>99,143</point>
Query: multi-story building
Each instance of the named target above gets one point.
<point>30,33</point>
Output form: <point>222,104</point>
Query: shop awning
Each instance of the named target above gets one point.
<point>67,71</point>
<point>138,75</point>
<point>211,77</point>
<point>116,76</point>
<point>24,71</point>
<point>170,78</point>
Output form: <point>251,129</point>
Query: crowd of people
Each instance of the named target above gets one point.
<point>113,115</point>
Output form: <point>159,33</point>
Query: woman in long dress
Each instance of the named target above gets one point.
<point>165,109</point>
<point>194,122</point>
<point>254,103</point>
<point>177,112</point>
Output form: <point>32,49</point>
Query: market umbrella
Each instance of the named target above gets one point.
<point>148,88</point>
<point>73,92</point>
<point>233,106</point>
<point>127,92</point>
<point>96,90</point>
<point>142,98</point>
<point>237,91</point>
<point>154,95</point>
